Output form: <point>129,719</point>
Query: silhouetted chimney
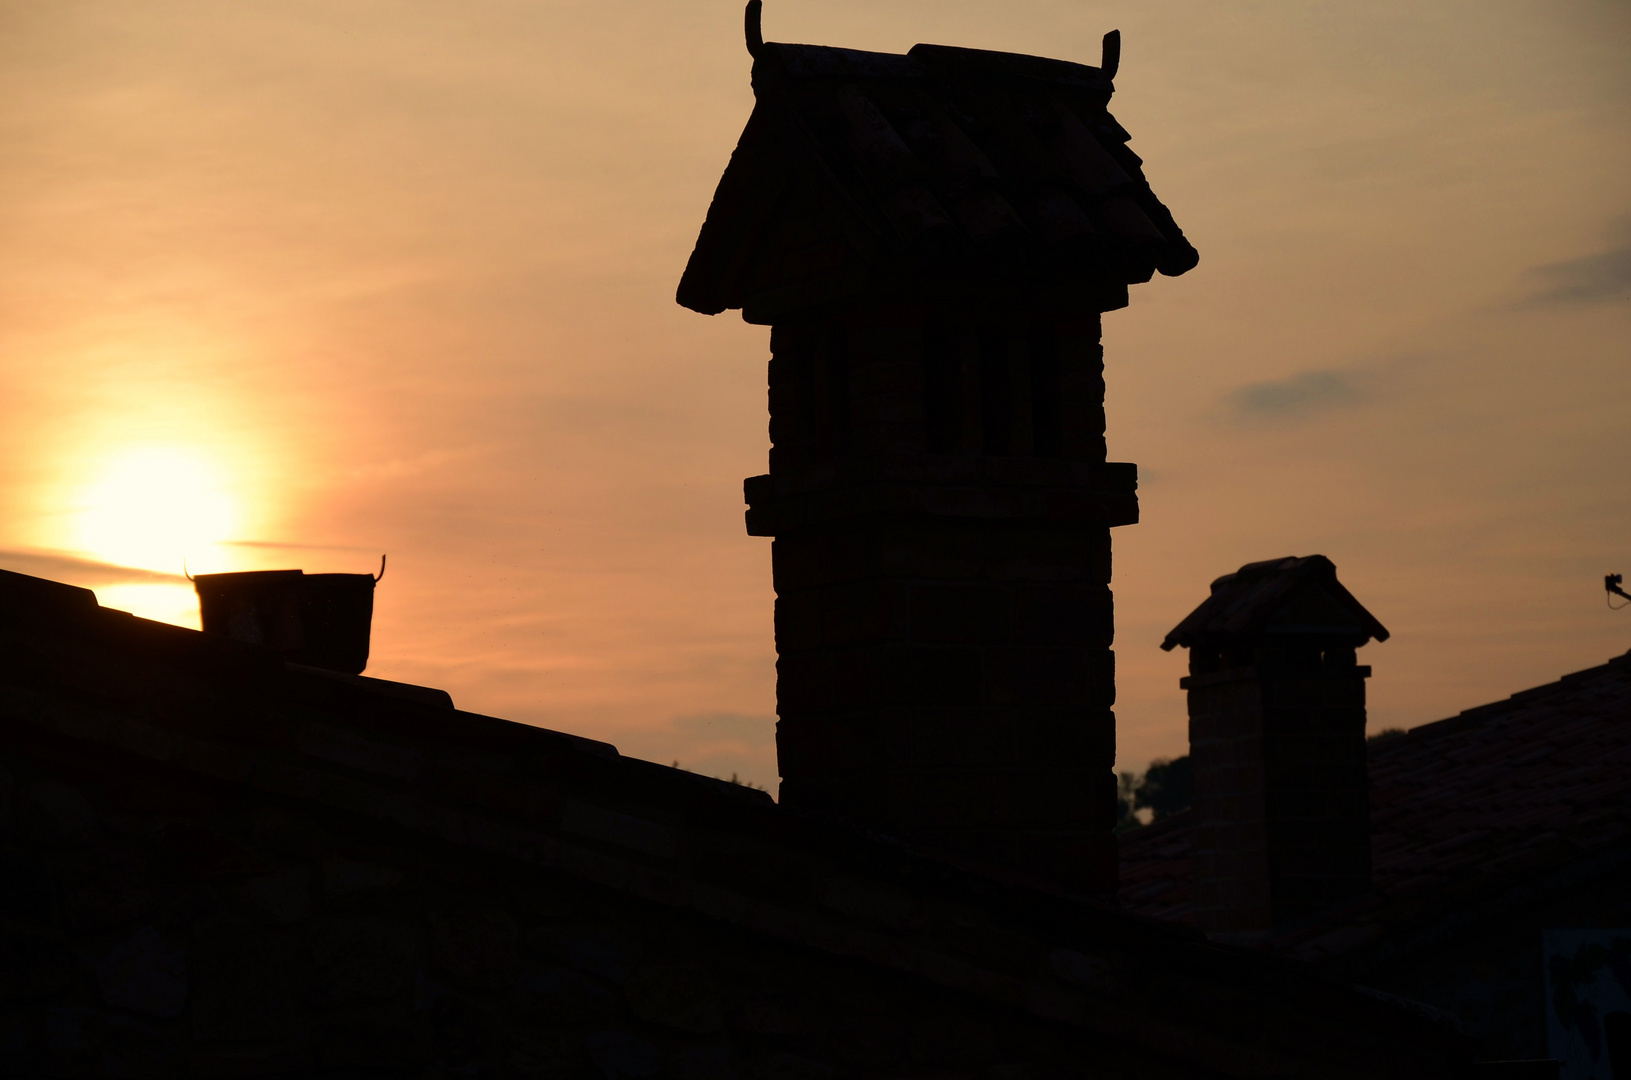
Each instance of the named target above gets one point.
<point>323,620</point>
<point>932,238</point>
<point>943,617</point>
<point>1277,745</point>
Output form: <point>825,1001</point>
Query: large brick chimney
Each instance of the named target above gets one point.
<point>932,238</point>
<point>943,619</point>
<point>1277,745</point>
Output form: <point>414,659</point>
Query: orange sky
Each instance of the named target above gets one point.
<point>399,277</point>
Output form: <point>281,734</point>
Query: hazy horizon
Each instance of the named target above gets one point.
<point>297,284</point>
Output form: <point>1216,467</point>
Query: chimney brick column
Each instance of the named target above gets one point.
<point>942,513</point>
<point>1281,815</point>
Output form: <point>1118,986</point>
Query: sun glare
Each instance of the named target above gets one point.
<point>152,507</point>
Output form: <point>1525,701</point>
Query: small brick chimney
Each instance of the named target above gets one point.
<point>1277,745</point>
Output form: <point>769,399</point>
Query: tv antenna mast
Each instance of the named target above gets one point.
<point>1612,586</point>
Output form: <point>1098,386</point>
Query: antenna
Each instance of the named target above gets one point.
<point>381,570</point>
<point>1611,585</point>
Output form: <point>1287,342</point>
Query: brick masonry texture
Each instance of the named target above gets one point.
<point>938,494</point>
<point>1280,799</point>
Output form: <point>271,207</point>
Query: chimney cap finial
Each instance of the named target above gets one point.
<point>1110,61</point>
<point>752,28</point>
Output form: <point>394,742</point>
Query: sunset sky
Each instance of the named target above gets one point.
<point>296,283</point>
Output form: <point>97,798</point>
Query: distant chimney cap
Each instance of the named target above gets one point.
<point>1290,596</point>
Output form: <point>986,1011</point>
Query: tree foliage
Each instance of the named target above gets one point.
<point>1163,789</point>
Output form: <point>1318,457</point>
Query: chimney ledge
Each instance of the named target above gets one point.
<point>1246,674</point>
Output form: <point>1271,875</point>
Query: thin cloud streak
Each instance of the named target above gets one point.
<point>279,545</point>
<point>1591,279</point>
<point>1303,395</point>
<point>1295,396</point>
<point>87,573</point>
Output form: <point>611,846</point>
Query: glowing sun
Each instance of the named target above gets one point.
<point>153,506</point>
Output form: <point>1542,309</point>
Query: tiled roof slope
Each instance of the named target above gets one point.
<point>1291,595</point>
<point>112,698</point>
<point>859,169</point>
<point>1155,874</point>
<point>1461,810</point>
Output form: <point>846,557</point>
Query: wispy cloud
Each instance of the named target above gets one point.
<point>277,545</point>
<point>63,566</point>
<point>1591,279</point>
<point>1296,395</point>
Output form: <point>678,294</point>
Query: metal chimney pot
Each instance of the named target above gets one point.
<point>323,620</point>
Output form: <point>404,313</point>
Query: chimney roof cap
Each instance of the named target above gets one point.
<point>939,169</point>
<point>1298,596</point>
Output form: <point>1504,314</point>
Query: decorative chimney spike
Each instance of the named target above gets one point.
<point>751,26</point>
<point>1277,745</point>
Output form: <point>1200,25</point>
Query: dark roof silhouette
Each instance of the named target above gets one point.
<point>126,708</point>
<point>1505,796</point>
<point>1278,596</point>
<point>869,171</point>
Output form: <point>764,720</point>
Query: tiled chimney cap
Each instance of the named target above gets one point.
<point>1292,595</point>
<point>938,166</point>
